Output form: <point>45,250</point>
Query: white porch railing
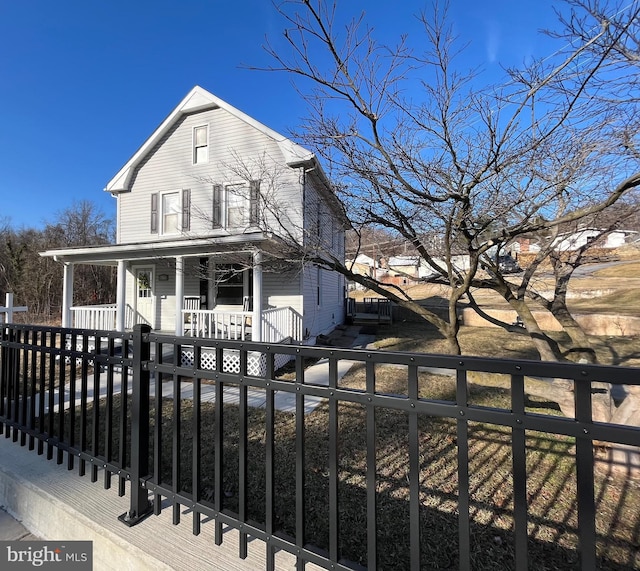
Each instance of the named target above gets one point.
<point>213,324</point>
<point>94,317</point>
<point>278,324</point>
<point>103,317</point>
<point>281,323</point>
<point>132,317</point>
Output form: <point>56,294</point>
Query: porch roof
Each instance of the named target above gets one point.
<point>111,254</point>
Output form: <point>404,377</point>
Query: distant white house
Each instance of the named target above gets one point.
<point>576,240</point>
<point>361,261</point>
<point>571,241</point>
<point>405,265</point>
<point>460,262</point>
<point>362,265</point>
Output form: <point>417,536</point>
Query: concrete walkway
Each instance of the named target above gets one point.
<point>318,374</point>
<point>12,530</point>
<point>55,504</point>
<point>40,499</point>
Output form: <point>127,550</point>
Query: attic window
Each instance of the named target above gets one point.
<point>200,145</point>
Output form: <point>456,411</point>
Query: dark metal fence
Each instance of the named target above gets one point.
<point>375,469</point>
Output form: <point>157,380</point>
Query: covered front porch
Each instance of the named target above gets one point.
<point>200,288</point>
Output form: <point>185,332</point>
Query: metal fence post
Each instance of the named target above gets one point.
<point>140,506</point>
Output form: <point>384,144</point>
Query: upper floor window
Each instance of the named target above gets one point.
<point>236,205</point>
<point>200,144</point>
<point>171,212</point>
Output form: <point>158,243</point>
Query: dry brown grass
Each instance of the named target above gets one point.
<point>623,278</point>
<point>551,485</point>
<point>623,270</point>
<point>495,342</point>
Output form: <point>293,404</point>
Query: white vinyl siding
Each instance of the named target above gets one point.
<point>322,230</point>
<point>169,166</point>
<point>282,290</point>
<point>322,318</point>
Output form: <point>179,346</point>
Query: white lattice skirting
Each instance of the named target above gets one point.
<point>256,361</point>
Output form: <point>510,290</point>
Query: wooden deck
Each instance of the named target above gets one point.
<point>363,318</point>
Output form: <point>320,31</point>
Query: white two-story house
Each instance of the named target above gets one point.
<point>207,208</point>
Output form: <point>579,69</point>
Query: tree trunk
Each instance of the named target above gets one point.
<point>546,347</point>
<point>580,344</point>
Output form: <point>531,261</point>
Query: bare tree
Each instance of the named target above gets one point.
<point>36,281</point>
<point>422,148</point>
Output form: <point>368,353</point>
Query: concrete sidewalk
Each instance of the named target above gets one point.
<point>12,530</point>
<point>55,504</point>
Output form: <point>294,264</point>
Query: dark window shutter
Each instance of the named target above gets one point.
<point>154,213</point>
<point>216,214</point>
<point>186,209</point>
<point>254,201</point>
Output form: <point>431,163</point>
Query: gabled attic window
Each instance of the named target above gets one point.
<point>200,144</point>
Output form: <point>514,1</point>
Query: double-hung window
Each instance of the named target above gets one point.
<point>171,212</point>
<point>200,144</point>
<point>236,199</point>
<point>236,205</point>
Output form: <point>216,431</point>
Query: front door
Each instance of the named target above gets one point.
<point>144,296</point>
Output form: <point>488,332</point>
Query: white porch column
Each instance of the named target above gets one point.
<point>179,294</point>
<point>256,320</point>
<point>67,294</point>
<point>121,296</point>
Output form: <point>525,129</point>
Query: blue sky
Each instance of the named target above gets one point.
<point>84,83</point>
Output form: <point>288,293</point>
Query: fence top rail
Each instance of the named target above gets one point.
<point>104,333</point>
<point>613,374</point>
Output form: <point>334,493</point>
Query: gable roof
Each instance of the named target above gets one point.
<point>199,99</point>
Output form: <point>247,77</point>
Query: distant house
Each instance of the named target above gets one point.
<point>402,270</point>
<point>576,240</point>
<point>362,265</point>
<point>570,241</point>
<point>407,265</point>
<point>197,216</point>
